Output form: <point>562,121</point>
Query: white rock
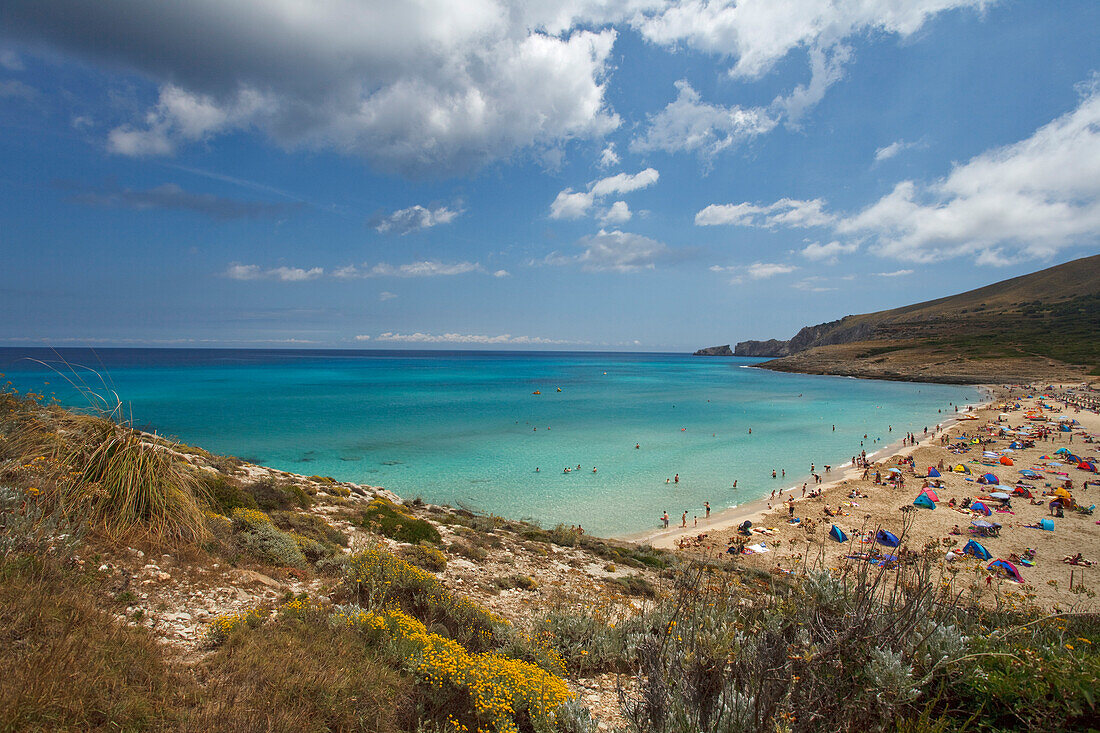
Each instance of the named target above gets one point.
<point>104,568</point>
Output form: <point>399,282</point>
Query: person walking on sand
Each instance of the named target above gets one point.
<point>684,519</point>
<point>706,505</point>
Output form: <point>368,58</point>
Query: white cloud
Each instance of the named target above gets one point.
<point>785,212</point>
<point>889,151</point>
<point>422,268</point>
<point>812,285</point>
<point>501,273</point>
<point>758,33</point>
<point>895,273</point>
<point>764,270</point>
<point>616,251</point>
<point>362,337</point>
<point>689,125</point>
<point>826,69</point>
<point>10,60</point>
<point>237,271</point>
<point>415,218</point>
<point>617,214</point>
<point>16,90</point>
<point>386,295</point>
<point>462,338</point>
<point>427,88</point>
<point>570,204</point>
<point>1019,202</point>
<point>829,252</point>
<point>608,157</point>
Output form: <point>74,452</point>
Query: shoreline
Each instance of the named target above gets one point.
<point>755,509</point>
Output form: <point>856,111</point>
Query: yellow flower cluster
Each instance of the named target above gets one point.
<point>499,687</point>
<point>250,517</point>
<point>218,630</point>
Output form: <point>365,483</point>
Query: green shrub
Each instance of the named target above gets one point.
<point>225,495</point>
<point>426,556</point>
<point>635,585</point>
<point>468,551</point>
<point>309,525</point>
<point>271,495</point>
<point>393,521</point>
<point>257,536</point>
<point>508,582</point>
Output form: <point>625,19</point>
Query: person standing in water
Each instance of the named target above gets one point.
<point>706,505</point>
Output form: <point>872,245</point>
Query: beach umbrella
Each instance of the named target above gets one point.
<point>924,501</point>
<point>837,534</point>
<point>975,548</point>
<point>1000,495</point>
<point>980,508</point>
<point>894,470</point>
<point>1004,567</point>
<point>887,538</point>
<point>932,472</point>
<point>1006,461</point>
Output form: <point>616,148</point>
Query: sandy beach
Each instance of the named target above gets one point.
<point>862,506</point>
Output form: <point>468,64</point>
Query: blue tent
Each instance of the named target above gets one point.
<point>989,479</point>
<point>1047,524</point>
<point>932,472</point>
<point>924,501</point>
<point>977,550</point>
<point>837,534</point>
<point>980,508</point>
<point>886,538</point>
<point>1006,568</point>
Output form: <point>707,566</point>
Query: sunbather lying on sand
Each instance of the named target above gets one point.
<point>1076,560</point>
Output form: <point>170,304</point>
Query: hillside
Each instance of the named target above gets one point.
<point>1035,326</point>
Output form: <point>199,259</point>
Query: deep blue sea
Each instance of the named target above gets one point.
<point>466,429</point>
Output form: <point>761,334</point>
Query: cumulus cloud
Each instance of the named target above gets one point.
<point>785,212</point>
<point>16,90</point>
<point>386,295</point>
<point>608,157</point>
<point>170,196</point>
<point>238,271</point>
<point>422,268</point>
<point>812,285</point>
<point>618,213</point>
<point>826,69</point>
<point>501,273</point>
<point>1022,201</point>
<point>764,270</point>
<point>830,252</point>
<point>889,151</point>
<point>426,88</point>
<point>570,204</point>
<point>362,337</point>
<point>895,273</point>
<point>688,124</point>
<point>414,219</point>
<point>758,33</point>
<point>616,251</point>
<point>463,338</point>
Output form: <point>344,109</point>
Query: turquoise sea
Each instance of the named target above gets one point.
<point>466,429</point>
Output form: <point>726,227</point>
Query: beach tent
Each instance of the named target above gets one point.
<point>1061,493</point>
<point>980,508</point>
<point>887,538</point>
<point>932,494</point>
<point>932,472</point>
<point>1061,450</point>
<point>1047,524</point>
<point>1021,491</point>
<point>924,501</point>
<point>1017,445</point>
<point>975,548</point>
<point>961,469</point>
<point>1087,466</point>
<point>744,528</point>
<point>1004,567</point>
<point>837,534</point>
<point>1006,461</point>
<point>989,479</point>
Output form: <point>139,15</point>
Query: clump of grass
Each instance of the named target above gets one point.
<point>117,480</point>
<point>390,520</point>
<point>508,582</point>
<point>225,495</point>
<point>271,495</point>
<point>67,665</point>
<point>635,585</point>
<point>220,629</point>
<point>309,525</point>
<point>468,551</point>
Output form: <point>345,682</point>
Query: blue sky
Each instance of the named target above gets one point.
<point>632,174</point>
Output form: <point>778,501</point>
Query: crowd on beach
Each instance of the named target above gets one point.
<point>963,460</point>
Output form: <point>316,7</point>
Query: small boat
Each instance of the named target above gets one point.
<point>536,392</point>
<point>559,389</point>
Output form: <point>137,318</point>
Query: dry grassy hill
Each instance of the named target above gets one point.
<point>1042,325</point>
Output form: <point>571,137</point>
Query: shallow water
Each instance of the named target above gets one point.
<point>463,428</point>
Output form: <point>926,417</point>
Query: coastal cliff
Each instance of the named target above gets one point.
<point>1035,326</point>
<point>714,351</point>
